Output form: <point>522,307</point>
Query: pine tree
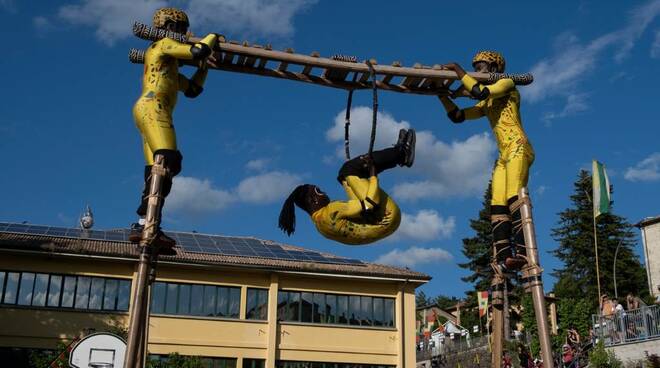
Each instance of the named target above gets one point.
<point>478,249</point>
<point>577,278</point>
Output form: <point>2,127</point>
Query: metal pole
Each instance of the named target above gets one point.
<point>616,253</point>
<point>139,311</point>
<point>535,282</point>
<point>597,266</point>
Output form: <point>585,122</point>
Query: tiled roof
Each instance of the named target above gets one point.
<point>120,249</point>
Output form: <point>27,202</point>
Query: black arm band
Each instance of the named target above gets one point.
<point>479,93</point>
<point>200,51</point>
<point>193,90</point>
<point>371,202</point>
<point>456,115</point>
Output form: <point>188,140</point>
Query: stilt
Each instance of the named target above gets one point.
<point>497,286</point>
<point>532,278</point>
<point>139,318</point>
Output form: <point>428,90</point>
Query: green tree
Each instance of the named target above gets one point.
<point>601,358</point>
<point>478,249</point>
<point>574,232</point>
<point>421,299</point>
<point>444,302</point>
<point>528,320</point>
<point>572,312</point>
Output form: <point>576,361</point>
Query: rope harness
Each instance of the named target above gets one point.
<point>374,108</point>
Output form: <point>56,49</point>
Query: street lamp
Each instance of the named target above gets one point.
<point>616,253</point>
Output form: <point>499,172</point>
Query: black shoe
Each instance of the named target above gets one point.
<point>136,233</point>
<point>164,243</point>
<point>402,137</point>
<point>409,148</point>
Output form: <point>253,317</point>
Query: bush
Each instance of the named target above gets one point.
<point>601,358</point>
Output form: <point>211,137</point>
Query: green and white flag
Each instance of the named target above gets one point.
<point>601,189</point>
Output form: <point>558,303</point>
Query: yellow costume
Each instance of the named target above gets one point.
<point>502,108</point>
<point>345,221</point>
<point>500,103</point>
<point>161,82</point>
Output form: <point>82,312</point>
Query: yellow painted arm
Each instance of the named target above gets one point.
<point>495,90</point>
<point>459,115</point>
<point>175,49</point>
<point>366,192</point>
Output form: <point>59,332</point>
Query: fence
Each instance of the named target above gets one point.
<point>627,326</point>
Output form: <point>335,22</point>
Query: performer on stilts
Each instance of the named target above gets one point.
<point>369,214</point>
<point>153,110</point>
<point>500,103</point>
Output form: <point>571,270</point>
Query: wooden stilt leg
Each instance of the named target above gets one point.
<point>139,317</point>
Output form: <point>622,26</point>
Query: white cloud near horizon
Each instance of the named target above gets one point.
<point>113,19</point>
<point>193,196</point>
<point>424,226</point>
<point>646,170</point>
<point>458,168</point>
<point>655,48</point>
<point>414,256</point>
<point>560,74</point>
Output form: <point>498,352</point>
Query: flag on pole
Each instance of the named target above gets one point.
<point>601,189</point>
<point>482,297</point>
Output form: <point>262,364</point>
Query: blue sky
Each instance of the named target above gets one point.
<point>68,138</point>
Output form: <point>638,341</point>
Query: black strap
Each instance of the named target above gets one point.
<point>347,120</point>
<point>374,117</point>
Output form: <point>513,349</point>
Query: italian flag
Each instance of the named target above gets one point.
<point>601,189</point>
<point>482,297</point>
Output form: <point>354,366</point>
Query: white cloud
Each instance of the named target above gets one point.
<point>414,256</point>
<point>113,19</point>
<point>267,188</point>
<point>655,48</point>
<point>459,168</point>
<point>42,25</point>
<point>258,164</point>
<point>646,170</point>
<point>575,103</point>
<point>247,17</point>
<point>425,225</point>
<point>8,5</point>
<point>193,196</point>
<point>541,189</point>
<point>560,74</point>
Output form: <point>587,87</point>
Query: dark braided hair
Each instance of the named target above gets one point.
<point>287,221</point>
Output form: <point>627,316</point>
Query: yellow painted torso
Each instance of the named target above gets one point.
<point>504,116</point>
<point>160,83</point>
<point>358,230</point>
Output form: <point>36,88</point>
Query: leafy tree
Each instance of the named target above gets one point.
<point>444,302</point>
<point>572,312</point>
<point>577,277</point>
<point>529,323</point>
<point>601,358</point>
<point>421,299</point>
<point>175,360</point>
<point>478,249</point>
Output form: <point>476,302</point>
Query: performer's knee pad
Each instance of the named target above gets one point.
<point>173,160</point>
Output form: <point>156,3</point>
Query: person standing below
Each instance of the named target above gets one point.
<point>500,103</point>
<point>153,110</point>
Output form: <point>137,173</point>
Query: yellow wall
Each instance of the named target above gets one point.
<point>224,337</point>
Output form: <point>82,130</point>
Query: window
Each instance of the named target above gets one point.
<point>206,362</point>
<point>306,307</point>
<point>257,304</point>
<point>354,310</point>
<point>195,300</point>
<point>54,291</point>
<point>254,363</point>
<point>322,308</point>
<point>299,364</point>
<point>319,308</point>
<point>25,289</point>
<point>58,291</point>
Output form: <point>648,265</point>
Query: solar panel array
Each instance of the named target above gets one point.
<point>190,242</point>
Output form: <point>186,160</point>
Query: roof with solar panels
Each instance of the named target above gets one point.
<point>193,248</point>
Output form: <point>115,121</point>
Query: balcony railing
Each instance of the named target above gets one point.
<point>627,326</point>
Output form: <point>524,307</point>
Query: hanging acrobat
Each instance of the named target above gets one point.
<point>153,110</point>
<point>500,103</point>
<point>369,214</point>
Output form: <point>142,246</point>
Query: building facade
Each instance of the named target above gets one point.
<point>242,311</point>
<point>650,228</point>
